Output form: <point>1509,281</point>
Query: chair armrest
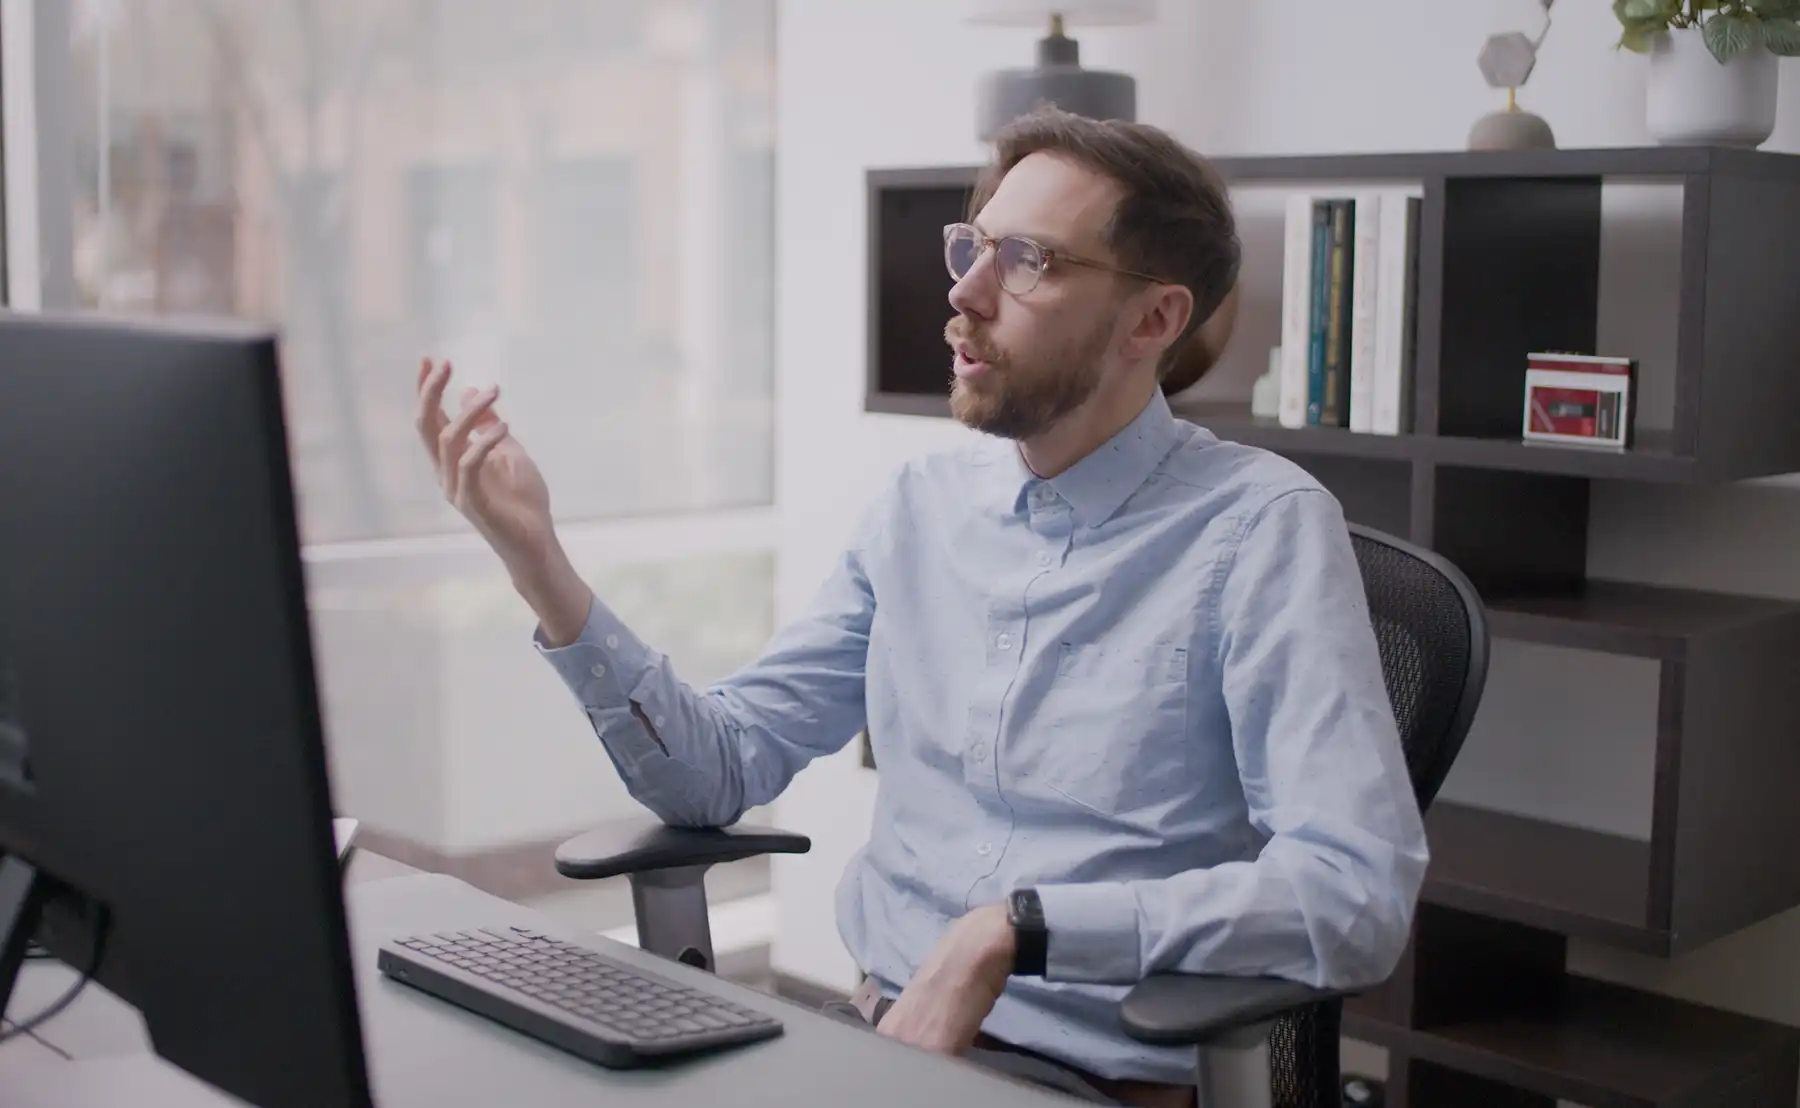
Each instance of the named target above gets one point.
<point>1178,1009</point>
<point>640,846</point>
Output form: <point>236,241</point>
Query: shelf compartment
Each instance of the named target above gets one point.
<point>1626,618</point>
<point>1564,879</point>
<point>1606,1046</point>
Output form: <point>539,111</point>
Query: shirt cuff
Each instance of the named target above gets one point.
<point>605,664</point>
<point>1093,933</point>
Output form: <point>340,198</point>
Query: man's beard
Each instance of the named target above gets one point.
<point>1017,400</point>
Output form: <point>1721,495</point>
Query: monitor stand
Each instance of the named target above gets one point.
<point>23,891</point>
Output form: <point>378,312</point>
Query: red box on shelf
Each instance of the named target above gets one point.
<point>1579,399</point>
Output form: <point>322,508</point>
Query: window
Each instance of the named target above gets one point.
<point>572,198</point>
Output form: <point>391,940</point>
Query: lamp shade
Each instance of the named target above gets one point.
<point>1058,78</point>
<point>1075,13</point>
<point>1004,95</point>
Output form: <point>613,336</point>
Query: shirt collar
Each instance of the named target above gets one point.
<point>1097,485</point>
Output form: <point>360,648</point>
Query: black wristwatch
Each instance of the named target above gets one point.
<point>1031,938</point>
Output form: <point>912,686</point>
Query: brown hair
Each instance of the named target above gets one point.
<point>1173,220</point>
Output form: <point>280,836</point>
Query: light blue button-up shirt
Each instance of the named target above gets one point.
<point>1147,686</point>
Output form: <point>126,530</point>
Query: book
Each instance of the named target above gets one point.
<point>1397,298</point>
<point>1334,403</point>
<point>1365,309</point>
<point>1319,311</point>
<point>1296,311</point>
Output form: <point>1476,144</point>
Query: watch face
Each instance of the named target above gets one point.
<point>1027,910</point>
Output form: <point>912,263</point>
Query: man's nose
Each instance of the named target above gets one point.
<point>977,292</point>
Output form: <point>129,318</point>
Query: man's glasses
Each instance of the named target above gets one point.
<point>1020,262</point>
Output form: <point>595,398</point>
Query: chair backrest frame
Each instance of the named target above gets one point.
<point>1474,675</point>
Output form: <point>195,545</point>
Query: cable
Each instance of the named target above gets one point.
<point>98,929</point>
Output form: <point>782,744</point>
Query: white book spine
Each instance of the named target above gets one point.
<point>1296,311</point>
<point>1388,394</point>
<point>1364,305</point>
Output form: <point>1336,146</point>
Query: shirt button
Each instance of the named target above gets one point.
<point>985,849</point>
<point>612,642</point>
<point>981,754</point>
<point>1043,558</point>
<point>657,723</point>
<point>1004,642</point>
<point>599,670</point>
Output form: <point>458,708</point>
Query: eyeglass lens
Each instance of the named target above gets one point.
<point>1019,262</point>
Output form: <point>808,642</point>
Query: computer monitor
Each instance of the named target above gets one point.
<point>163,781</point>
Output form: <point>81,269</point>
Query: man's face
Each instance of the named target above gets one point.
<point>1022,362</point>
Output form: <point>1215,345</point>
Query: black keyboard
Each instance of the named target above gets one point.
<point>570,996</point>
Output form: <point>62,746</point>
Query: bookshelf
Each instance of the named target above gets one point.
<point>1483,1010</point>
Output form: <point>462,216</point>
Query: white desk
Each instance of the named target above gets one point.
<point>425,1052</point>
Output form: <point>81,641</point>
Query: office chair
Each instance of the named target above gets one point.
<point>1261,1041</point>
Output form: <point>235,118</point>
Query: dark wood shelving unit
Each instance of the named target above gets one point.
<point>1620,617</point>
<point>1605,1046</point>
<point>1483,1011</point>
<point>1576,882</point>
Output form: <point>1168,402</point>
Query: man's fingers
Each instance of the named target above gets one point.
<point>469,468</point>
<point>431,419</point>
<point>454,437</point>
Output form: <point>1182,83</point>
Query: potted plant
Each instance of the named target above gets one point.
<point>1713,74</point>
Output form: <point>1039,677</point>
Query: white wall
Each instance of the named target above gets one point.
<point>890,82</point>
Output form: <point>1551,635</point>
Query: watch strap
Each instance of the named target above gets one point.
<point>1031,935</point>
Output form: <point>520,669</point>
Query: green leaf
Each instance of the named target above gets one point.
<point>1651,15</point>
<point>1637,37</point>
<point>1782,36</point>
<point>1729,34</point>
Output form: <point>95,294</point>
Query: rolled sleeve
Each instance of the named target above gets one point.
<point>605,664</point>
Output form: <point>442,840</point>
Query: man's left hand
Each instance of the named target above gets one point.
<point>942,1008</point>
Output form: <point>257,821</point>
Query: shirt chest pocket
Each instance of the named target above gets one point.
<point>1111,731</point>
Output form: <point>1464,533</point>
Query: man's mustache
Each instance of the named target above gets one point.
<point>960,332</point>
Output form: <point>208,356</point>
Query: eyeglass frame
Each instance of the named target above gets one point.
<point>1048,254</point>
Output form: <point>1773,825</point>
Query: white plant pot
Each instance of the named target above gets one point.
<point>1692,100</point>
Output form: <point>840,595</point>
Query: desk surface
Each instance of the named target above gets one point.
<point>425,1052</point>
<point>98,1025</point>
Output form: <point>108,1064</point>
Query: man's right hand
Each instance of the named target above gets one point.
<point>493,482</point>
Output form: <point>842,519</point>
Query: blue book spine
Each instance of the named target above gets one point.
<point>1321,311</point>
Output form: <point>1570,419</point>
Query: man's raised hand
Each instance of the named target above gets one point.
<point>482,470</point>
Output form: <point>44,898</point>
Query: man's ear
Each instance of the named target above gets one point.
<point>1162,316</point>
<point>1204,347</point>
